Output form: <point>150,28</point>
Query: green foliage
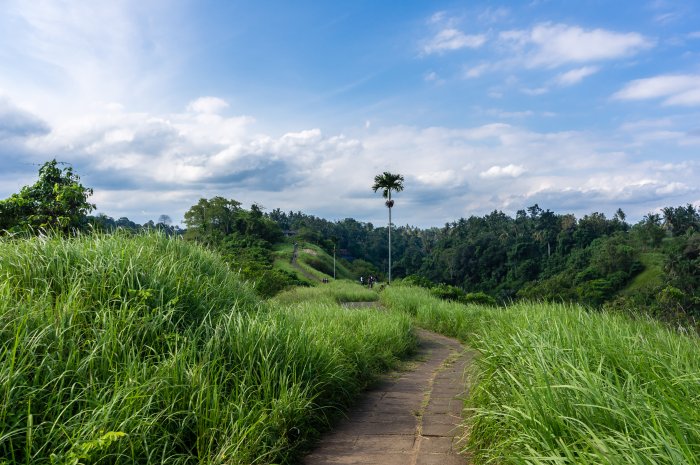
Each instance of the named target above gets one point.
<point>447,292</point>
<point>243,237</point>
<point>158,339</point>
<point>364,268</point>
<point>213,220</point>
<point>56,202</point>
<point>388,182</point>
<point>538,255</point>
<point>683,269</point>
<point>479,298</point>
<point>416,280</point>
<point>558,384</point>
<point>682,220</point>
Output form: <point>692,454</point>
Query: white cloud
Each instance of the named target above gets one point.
<point>557,44</point>
<point>508,171</point>
<point>673,188</point>
<point>575,76</point>
<point>438,178</point>
<point>437,17</point>
<point>87,53</point>
<point>666,18</point>
<point>672,131</point>
<point>476,71</point>
<point>450,39</point>
<point>551,46</point>
<point>678,89</point>
<point>207,105</point>
<point>163,163</point>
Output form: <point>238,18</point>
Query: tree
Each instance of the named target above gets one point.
<point>165,220</point>
<point>57,201</point>
<point>387,182</point>
<point>212,219</point>
<point>681,220</point>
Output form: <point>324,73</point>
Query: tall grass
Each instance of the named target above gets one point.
<point>333,292</point>
<point>559,384</point>
<point>149,350</point>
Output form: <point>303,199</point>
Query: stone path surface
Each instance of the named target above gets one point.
<point>409,418</point>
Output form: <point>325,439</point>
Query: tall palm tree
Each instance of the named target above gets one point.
<point>387,182</point>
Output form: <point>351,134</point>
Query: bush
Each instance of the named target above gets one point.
<point>447,292</point>
<point>479,298</point>
<point>415,280</point>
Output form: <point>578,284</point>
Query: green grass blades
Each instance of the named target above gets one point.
<point>333,292</point>
<point>149,350</point>
<point>559,384</point>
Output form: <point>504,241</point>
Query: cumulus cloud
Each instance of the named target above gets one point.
<point>207,105</point>
<point>674,89</point>
<point>17,123</point>
<point>144,164</point>
<point>508,171</point>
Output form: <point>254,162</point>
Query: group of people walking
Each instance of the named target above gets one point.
<point>369,282</point>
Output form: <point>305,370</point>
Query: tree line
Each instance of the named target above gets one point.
<point>537,254</point>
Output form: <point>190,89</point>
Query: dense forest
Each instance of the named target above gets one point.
<point>541,255</point>
<point>652,266</point>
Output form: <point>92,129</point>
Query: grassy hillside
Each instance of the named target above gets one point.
<point>147,350</point>
<point>650,278</point>
<point>313,263</point>
<point>558,384</point>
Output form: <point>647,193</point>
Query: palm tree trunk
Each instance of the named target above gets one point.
<point>389,241</point>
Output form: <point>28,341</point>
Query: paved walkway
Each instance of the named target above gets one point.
<point>410,418</point>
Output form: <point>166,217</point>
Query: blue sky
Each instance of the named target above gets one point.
<point>577,106</point>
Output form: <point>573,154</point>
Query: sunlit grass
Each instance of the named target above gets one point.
<point>332,292</point>
<point>149,350</point>
<point>312,259</point>
<point>559,384</point>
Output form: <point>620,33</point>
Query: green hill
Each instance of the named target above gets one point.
<point>650,278</point>
<point>148,350</point>
<point>312,264</point>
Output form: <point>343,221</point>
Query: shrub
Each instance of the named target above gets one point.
<point>447,292</point>
<point>480,298</point>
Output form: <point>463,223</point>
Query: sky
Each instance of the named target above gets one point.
<point>578,106</point>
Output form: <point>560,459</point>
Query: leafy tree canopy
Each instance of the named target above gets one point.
<point>57,201</point>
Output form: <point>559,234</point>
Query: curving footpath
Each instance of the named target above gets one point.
<point>411,418</point>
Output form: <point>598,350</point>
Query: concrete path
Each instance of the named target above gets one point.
<point>409,418</point>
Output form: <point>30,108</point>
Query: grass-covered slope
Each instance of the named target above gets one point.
<point>312,264</point>
<point>557,384</point>
<point>149,350</point>
<point>650,278</point>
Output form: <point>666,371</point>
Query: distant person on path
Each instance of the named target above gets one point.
<point>362,281</point>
